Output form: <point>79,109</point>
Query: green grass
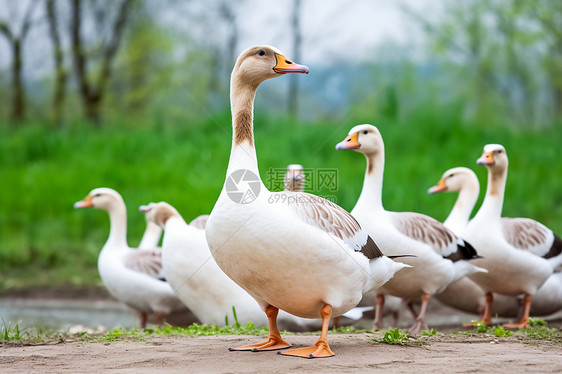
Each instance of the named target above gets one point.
<point>44,171</point>
<point>394,336</point>
<point>9,332</point>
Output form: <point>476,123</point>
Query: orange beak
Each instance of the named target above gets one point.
<point>86,203</point>
<point>487,159</point>
<point>284,66</point>
<point>350,142</point>
<point>439,187</point>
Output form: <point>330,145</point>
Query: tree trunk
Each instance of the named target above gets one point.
<point>59,91</point>
<point>92,95</point>
<point>18,98</point>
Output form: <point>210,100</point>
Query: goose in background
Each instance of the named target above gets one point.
<point>131,276</point>
<point>291,251</point>
<point>519,253</point>
<point>151,237</point>
<point>439,256</point>
<point>294,179</point>
<point>467,295</point>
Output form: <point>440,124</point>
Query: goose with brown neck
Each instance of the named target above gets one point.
<point>467,295</point>
<point>200,284</point>
<point>291,251</point>
<point>519,253</point>
<point>439,255</point>
<point>131,276</point>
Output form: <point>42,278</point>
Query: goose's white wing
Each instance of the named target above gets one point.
<point>528,234</point>
<point>148,261</point>
<point>334,220</point>
<point>427,230</point>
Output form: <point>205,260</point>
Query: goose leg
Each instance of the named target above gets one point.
<point>522,324</point>
<point>142,320</point>
<point>379,305</point>
<point>420,324</point>
<point>487,317</point>
<point>411,308</point>
<point>321,348</point>
<point>275,340</point>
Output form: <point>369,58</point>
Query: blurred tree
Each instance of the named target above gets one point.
<point>549,15</point>
<point>16,40</point>
<point>59,91</point>
<point>91,90</point>
<point>513,50</point>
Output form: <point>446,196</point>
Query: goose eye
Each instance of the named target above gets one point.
<point>261,52</point>
<point>500,151</point>
<point>97,195</point>
<point>365,132</point>
<point>450,176</point>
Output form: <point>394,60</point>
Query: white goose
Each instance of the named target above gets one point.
<point>548,298</point>
<point>294,179</point>
<point>131,276</point>
<point>291,251</point>
<point>151,236</point>
<point>197,280</point>
<point>434,246</point>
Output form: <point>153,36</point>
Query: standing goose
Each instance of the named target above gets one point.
<point>439,253</point>
<point>291,251</point>
<point>131,276</point>
<point>519,253</point>
<point>467,295</point>
<point>196,278</point>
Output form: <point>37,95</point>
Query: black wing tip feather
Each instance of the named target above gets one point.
<point>464,251</point>
<point>556,248</point>
<point>400,256</point>
<point>371,249</point>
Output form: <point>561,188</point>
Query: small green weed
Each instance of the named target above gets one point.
<point>534,322</point>
<point>500,331</point>
<point>394,336</point>
<point>431,332</point>
<point>541,332</point>
<point>10,333</point>
<point>480,327</point>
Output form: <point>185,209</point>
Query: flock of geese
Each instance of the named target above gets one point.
<point>303,257</point>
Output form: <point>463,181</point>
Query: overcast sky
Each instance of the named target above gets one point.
<point>333,30</point>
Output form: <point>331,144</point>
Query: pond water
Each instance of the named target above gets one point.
<point>61,314</point>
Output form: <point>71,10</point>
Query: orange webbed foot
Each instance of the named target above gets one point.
<point>518,325</point>
<point>319,350</point>
<point>271,344</point>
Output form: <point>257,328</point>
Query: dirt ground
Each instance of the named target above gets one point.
<point>354,353</point>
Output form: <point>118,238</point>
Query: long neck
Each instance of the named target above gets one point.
<point>493,202</point>
<point>371,194</point>
<point>118,226</point>
<point>460,214</point>
<point>243,153</point>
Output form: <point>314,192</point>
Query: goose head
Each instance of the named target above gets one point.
<point>494,158</point>
<point>363,138</point>
<point>159,213</point>
<point>259,63</point>
<point>294,178</point>
<point>454,180</point>
<point>101,198</point>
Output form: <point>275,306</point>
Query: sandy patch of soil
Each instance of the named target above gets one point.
<point>354,353</point>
